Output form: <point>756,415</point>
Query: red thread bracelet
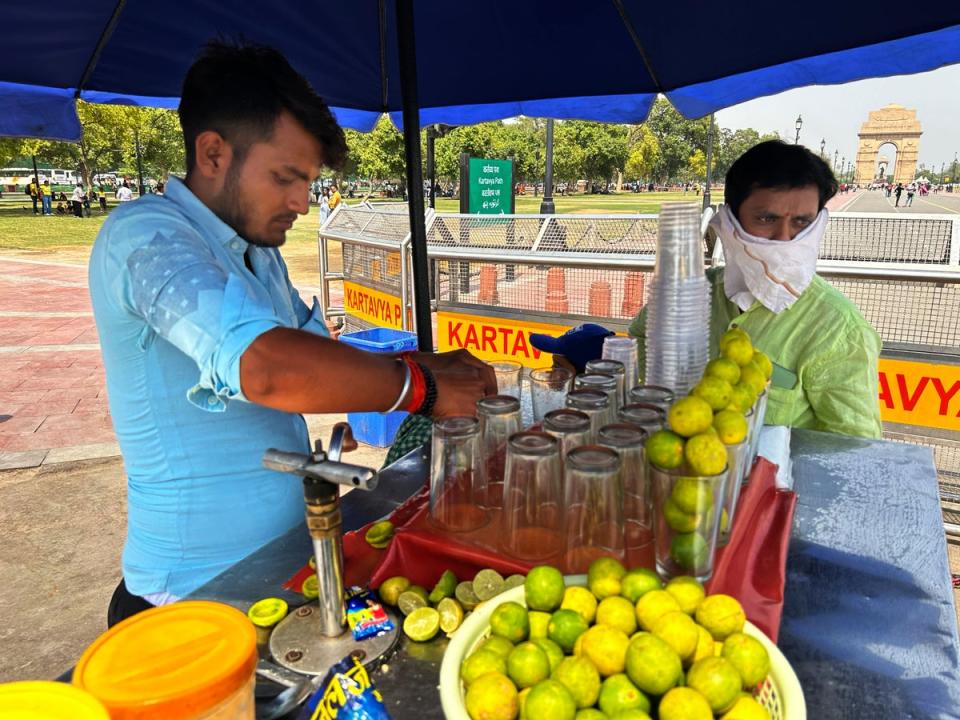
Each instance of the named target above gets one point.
<point>418,390</point>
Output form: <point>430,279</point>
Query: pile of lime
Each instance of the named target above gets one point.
<point>625,647</point>
<point>444,607</point>
<point>702,425</point>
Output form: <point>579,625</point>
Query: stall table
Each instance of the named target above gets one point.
<point>868,623</point>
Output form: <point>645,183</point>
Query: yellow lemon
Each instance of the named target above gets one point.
<point>665,449</point>
<point>492,697</point>
<point>753,378</point>
<point>724,369</point>
<point>731,427</point>
<point>706,454</point>
<point>739,350</point>
<point>763,362</point>
<point>717,680</point>
<point>682,703</point>
<point>653,605</point>
<point>606,648</point>
<point>580,600</point>
<point>690,416</point>
<point>688,592</point>
<point>721,615</point>
<point>714,390</point>
<point>678,631</point>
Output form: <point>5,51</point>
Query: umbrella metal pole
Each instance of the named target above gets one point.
<point>411,139</point>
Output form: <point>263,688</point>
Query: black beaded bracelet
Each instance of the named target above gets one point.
<point>426,407</point>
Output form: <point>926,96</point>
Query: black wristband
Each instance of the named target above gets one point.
<point>430,399</point>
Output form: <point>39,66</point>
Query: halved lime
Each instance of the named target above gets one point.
<point>514,581</point>
<point>451,614</point>
<point>409,601</point>
<point>422,624</point>
<point>487,584</point>
<point>466,595</point>
<point>379,532</point>
<point>391,588</point>
<point>310,587</point>
<point>444,588</point>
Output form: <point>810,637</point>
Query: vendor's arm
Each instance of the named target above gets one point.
<point>842,385</point>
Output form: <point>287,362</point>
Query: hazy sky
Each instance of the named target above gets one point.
<point>836,112</point>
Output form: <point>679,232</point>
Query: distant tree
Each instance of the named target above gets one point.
<point>732,144</point>
<point>380,155</point>
<point>643,153</point>
<point>678,138</point>
<point>697,165</point>
<point>476,140</point>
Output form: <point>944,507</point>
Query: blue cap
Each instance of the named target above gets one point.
<point>579,345</point>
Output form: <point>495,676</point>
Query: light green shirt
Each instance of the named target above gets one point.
<point>824,353</point>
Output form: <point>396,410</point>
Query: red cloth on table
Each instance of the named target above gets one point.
<point>752,566</point>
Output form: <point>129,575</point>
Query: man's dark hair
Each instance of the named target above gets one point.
<point>240,90</point>
<point>775,164</point>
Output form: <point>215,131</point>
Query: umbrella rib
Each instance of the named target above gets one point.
<point>632,31</point>
<point>101,43</point>
<point>383,57</point>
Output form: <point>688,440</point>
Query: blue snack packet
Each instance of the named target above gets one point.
<point>347,693</point>
<point>365,615</point>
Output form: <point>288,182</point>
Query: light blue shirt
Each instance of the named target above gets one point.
<point>176,307</point>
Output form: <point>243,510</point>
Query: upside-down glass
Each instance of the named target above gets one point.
<point>686,516</point>
<point>532,497</point>
<point>593,512</point>
<point>570,427</point>
<point>596,405</point>
<point>649,417</point>
<point>652,395</point>
<point>623,350</point>
<point>548,389</point>
<point>613,368</point>
<point>603,383</point>
<point>628,441</point>
<point>456,491</point>
<point>508,377</point>
<point>499,417</point>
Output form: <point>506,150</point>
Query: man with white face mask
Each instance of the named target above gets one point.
<point>824,353</point>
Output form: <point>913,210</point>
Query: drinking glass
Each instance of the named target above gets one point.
<point>738,457</point>
<point>570,427</point>
<point>628,441</point>
<point>624,350</point>
<point>755,422</point>
<point>595,403</point>
<point>686,515</point>
<point>593,507</point>
<point>604,383</point>
<point>652,395</point>
<point>532,497</point>
<point>644,415</point>
<point>548,388</point>
<point>613,368</point>
<point>499,417</point>
<point>456,490</point>
<point>508,377</point>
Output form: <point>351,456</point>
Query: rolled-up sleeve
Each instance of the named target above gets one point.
<point>191,300</point>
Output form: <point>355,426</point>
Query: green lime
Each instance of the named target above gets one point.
<point>488,584</point>
<point>492,697</point>
<point>451,614</point>
<point>617,693</point>
<point>565,627</point>
<point>763,362</point>
<point>509,620</point>
<point>553,651</point>
<point>688,592</point>
<point>653,605</point>
<point>549,699</point>
<point>421,591</point>
<point>690,551</point>
<point>746,708</point>
<point>590,714</point>
<point>731,427</point>
<point>705,645</point>
<point>721,615</point>
<point>480,663</point>
<point>679,631</point>
<point>466,596</point>
<point>724,369</point>
<point>604,576</point>
<point>715,391</point>
<point>543,588</point>
<point>637,582</point>
<point>682,703</point>
<point>690,416</point>
<point>634,714</point>
<point>619,613</point>
<point>581,600</point>
<point>742,398</point>
<point>579,676</point>
<point>739,350</point>
<point>678,520</point>
<point>497,644</point>
<point>527,665</point>
<point>311,587</point>
<point>379,533</point>
<point>665,449</point>
<point>692,495</point>
<point>717,680</point>
<point>749,657</point>
<point>539,622</point>
<point>422,624</point>
<point>605,647</point>
<point>410,601</point>
<point>391,588</point>
<point>514,581</point>
<point>734,333</point>
<point>445,587</point>
<point>753,377</point>
<point>652,665</point>
<point>706,454</point>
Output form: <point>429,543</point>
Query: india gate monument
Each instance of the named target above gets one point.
<point>898,126</point>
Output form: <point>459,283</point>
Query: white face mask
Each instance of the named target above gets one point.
<point>773,272</point>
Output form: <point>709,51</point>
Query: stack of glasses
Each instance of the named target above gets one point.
<point>678,305</point>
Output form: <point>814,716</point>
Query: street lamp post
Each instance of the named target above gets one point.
<point>823,144</point>
<point>836,154</point>
<point>706,190</point>
<point>546,205</point>
<point>799,124</point>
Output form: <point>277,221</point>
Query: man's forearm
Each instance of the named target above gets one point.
<point>295,371</point>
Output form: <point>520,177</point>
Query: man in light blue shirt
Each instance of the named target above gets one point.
<point>209,351</point>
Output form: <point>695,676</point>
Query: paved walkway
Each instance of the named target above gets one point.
<point>876,201</point>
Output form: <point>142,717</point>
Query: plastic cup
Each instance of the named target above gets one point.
<point>628,441</point>
<point>499,417</point>
<point>548,389</point>
<point>457,492</point>
<point>596,405</point>
<point>593,496</point>
<point>686,511</point>
<point>532,497</point>
<point>570,427</point>
<point>508,377</point>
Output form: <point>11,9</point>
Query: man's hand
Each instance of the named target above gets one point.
<point>334,329</point>
<point>460,362</point>
<point>457,393</point>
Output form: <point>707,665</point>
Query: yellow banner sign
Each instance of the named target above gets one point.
<point>494,339</point>
<point>915,393</point>
<point>374,306</point>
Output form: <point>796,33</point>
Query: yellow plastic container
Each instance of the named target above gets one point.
<point>45,700</point>
<point>780,693</point>
<point>191,660</point>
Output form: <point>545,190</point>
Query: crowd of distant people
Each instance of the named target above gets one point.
<point>81,202</point>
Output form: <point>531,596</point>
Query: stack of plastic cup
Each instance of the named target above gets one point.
<point>623,350</point>
<point>678,304</point>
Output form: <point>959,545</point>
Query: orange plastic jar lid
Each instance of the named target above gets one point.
<point>46,700</point>
<point>174,662</point>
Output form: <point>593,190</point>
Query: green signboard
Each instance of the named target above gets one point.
<point>490,186</point>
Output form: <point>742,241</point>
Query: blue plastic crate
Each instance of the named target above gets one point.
<point>370,427</point>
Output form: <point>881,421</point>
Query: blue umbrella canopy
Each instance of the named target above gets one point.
<point>475,61</point>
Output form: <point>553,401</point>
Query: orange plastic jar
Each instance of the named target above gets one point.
<point>192,660</point>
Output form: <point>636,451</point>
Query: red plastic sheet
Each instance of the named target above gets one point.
<point>752,567</point>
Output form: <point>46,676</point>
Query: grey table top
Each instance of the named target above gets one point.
<point>868,621</point>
